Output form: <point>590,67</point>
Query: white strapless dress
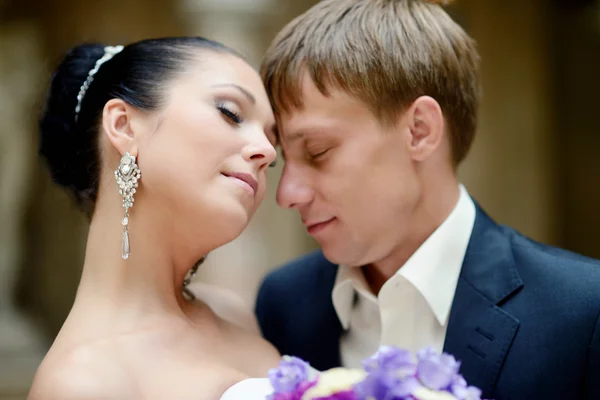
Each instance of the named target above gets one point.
<point>249,389</point>
<point>256,388</point>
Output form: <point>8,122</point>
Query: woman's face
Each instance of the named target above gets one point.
<point>204,163</point>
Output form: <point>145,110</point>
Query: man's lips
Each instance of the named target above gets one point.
<point>316,225</point>
<point>245,180</point>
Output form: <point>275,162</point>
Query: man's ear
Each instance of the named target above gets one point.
<point>117,125</point>
<point>427,128</point>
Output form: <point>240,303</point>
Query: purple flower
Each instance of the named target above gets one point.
<point>289,375</point>
<point>405,388</point>
<point>390,358</point>
<point>296,394</point>
<point>461,391</point>
<point>391,365</point>
<point>345,395</point>
<point>372,387</point>
<point>436,371</point>
<point>391,375</point>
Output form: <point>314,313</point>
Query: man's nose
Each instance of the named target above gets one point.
<point>293,191</point>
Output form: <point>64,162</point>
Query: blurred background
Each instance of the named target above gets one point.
<point>534,164</point>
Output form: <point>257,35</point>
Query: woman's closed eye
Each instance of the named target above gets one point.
<point>231,115</point>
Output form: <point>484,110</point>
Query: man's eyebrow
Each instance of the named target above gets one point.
<point>289,139</point>
<point>293,137</point>
<point>245,92</point>
<point>273,129</point>
<point>271,132</point>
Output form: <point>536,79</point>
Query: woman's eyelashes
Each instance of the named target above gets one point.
<point>235,118</point>
<point>230,114</point>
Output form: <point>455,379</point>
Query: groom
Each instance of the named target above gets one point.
<point>377,105</point>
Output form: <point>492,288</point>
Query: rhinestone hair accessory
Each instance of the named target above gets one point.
<point>127,175</point>
<point>109,52</point>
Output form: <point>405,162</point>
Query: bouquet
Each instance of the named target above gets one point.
<point>390,374</point>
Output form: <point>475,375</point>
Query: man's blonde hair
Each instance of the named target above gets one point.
<point>386,53</point>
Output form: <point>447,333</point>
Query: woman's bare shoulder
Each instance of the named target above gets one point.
<point>85,373</point>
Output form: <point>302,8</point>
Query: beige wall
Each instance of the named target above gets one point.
<point>21,344</point>
<point>578,130</point>
<point>511,169</point>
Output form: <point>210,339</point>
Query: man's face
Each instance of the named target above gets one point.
<point>351,179</point>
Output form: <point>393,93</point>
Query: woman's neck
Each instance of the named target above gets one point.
<point>145,288</point>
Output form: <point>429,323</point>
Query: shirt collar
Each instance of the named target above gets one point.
<point>433,269</point>
<point>348,282</point>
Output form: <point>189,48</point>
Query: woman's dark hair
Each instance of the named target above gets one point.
<point>137,75</point>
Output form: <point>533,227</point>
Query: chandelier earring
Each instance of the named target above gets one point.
<point>127,175</point>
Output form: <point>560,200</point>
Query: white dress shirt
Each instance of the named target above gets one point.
<point>412,308</point>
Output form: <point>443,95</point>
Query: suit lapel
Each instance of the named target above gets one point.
<point>322,327</point>
<point>326,332</point>
<point>479,332</point>
<point>479,335</point>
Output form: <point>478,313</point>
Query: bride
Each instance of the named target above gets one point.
<point>164,144</point>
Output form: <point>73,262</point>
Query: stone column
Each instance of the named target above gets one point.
<point>274,236</point>
<point>21,348</point>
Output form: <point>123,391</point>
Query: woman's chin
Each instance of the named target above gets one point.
<point>233,222</point>
<point>220,223</point>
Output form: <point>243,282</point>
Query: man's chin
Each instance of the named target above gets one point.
<point>337,255</point>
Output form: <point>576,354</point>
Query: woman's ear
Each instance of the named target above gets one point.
<point>426,124</point>
<point>117,125</point>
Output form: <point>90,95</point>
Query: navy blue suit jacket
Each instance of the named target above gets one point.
<point>524,321</point>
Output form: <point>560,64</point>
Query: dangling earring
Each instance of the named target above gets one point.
<point>127,174</point>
